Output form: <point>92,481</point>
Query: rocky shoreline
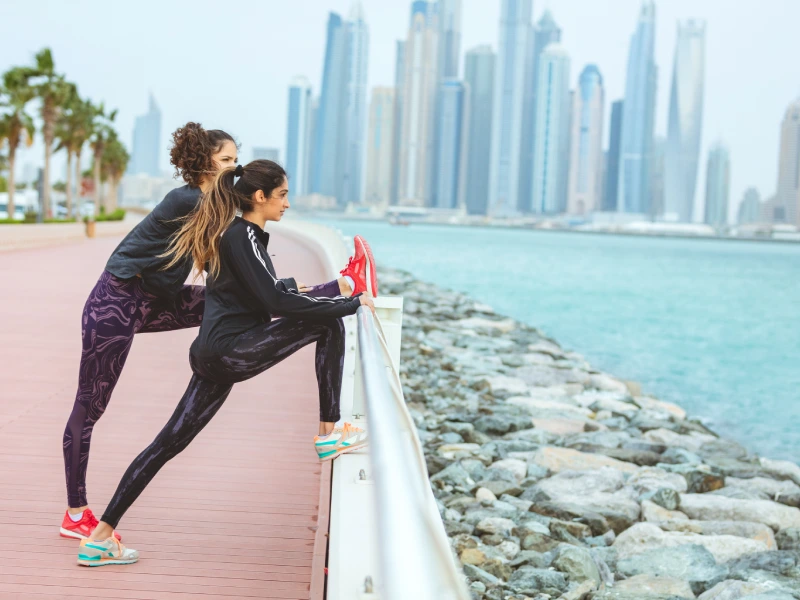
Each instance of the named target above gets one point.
<point>557,481</point>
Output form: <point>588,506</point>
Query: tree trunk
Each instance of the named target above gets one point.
<point>69,183</point>
<point>78,182</point>
<point>12,158</point>
<point>112,201</point>
<point>48,131</point>
<point>97,156</point>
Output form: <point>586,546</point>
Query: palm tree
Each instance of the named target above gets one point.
<point>53,91</point>
<point>101,134</point>
<point>72,131</point>
<point>16,125</point>
<point>115,163</point>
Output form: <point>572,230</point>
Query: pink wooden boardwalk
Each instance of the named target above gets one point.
<point>248,498</point>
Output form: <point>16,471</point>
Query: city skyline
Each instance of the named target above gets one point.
<point>261,119</point>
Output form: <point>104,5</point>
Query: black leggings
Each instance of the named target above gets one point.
<point>253,352</point>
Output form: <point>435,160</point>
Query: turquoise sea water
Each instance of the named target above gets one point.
<point>712,325</point>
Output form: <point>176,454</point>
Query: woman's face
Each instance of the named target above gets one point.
<point>273,207</point>
<point>226,157</point>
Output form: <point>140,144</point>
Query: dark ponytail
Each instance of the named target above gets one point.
<point>199,236</point>
<point>192,150</point>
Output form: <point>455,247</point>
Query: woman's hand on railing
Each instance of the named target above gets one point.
<point>366,300</point>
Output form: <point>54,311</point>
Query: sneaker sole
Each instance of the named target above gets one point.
<point>71,534</point>
<point>372,281</point>
<point>107,561</point>
<point>76,536</point>
<point>345,451</point>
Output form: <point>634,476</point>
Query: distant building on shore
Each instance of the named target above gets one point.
<point>380,143</point>
<point>586,144</point>
<point>298,135</point>
<point>479,65</point>
<point>718,179</point>
<point>787,196</point>
<point>749,207</point>
<point>146,154</point>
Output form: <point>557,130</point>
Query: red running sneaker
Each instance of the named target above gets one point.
<point>81,530</point>
<point>361,268</point>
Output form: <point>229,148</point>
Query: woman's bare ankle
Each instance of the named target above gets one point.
<point>344,287</point>
<point>75,511</point>
<point>103,531</point>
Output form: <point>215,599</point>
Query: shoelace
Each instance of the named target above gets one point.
<point>350,261</point>
<point>93,522</point>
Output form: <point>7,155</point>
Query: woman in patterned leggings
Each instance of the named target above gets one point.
<point>142,291</point>
<point>238,338</point>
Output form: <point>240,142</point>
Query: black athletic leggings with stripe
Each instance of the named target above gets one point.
<point>253,352</point>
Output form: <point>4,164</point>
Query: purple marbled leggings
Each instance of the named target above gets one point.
<point>116,310</point>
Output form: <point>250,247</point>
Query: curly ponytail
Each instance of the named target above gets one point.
<point>192,150</point>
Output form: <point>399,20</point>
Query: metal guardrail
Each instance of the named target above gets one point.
<point>414,556</point>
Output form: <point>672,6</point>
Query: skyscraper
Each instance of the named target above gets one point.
<point>750,207</point>
<point>612,161</point>
<point>451,144</point>
<point>718,178</point>
<point>264,153</point>
<point>551,156</point>
<point>786,196</point>
<point>399,93</point>
<point>685,121</point>
<point>448,55</point>
<point>545,32</point>
<point>479,64</point>
<point>147,142</point>
<point>504,167</point>
<point>657,176</point>
<point>356,105</point>
<point>419,102</point>
<point>638,116</point>
<point>380,138</point>
<point>330,130</point>
<point>586,146</point>
<point>297,134</point>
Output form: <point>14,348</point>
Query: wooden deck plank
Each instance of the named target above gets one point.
<point>251,476</point>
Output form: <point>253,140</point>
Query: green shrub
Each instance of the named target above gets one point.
<point>30,216</point>
<point>117,215</point>
<point>9,222</point>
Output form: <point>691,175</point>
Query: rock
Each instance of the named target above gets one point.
<point>539,560</point>
<point>450,451</point>
<point>734,590</point>
<point>579,593</point>
<point>661,406</point>
<point>548,376</point>
<point>496,525</point>
<point>454,528</point>
<point>644,537</point>
<point>530,580</point>
<point>693,564</point>
<point>498,568</point>
<point>538,542</point>
<point>561,459</point>
<point>492,539</point>
<point>781,562</point>
<point>600,491</point>
<point>740,493</point>
<point>569,531</point>
<point>788,539</point>
<point>485,495</point>
<point>615,407</point>
<point>538,405</point>
<point>510,549</point>
<point>733,467</point>
<point>477,587</point>
<point>701,482</point>
<point>604,382</point>
<point>653,512</point>
<point>754,531</point>
<point>680,455</point>
<point>560,426</point>
<point>706,507</point>
<point>475,468</point>
<point>499,384</point>
<point>648,585</point>
<point>478,574</point>
<point>500,424</point>
<point>454,475</point>
<point>577,564</point>
<point>472,556</point>
<point>518,467</point>
<point>782,469</point>
<point>785,492</point>
<point>518,503</point>
<point>500,487</point>
<point>691,442</point>
<point>653,479</point>
<point>666,498</point>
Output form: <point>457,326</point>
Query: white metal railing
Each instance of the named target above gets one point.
<point>414,556</point>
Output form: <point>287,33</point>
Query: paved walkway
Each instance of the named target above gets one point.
<point>244,497</point>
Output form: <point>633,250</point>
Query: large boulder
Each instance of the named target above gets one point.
<point>564,459</point>
<point>643,537</point>
<point>785,492</point>
<point>733,589</point>
<point>693,564</point>
<point>647,586</point>
<point>577,563</point>
<point>530,581</point>
<point>754,531</point>
<point>707,507</point>
<point>653,479</point>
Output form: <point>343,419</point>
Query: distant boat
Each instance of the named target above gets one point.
<point>397,221</point>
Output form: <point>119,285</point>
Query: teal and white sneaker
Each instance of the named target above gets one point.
<point>340,441</point>
<point>92,553</point>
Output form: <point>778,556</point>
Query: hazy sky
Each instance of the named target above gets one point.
<point>228,65</point>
